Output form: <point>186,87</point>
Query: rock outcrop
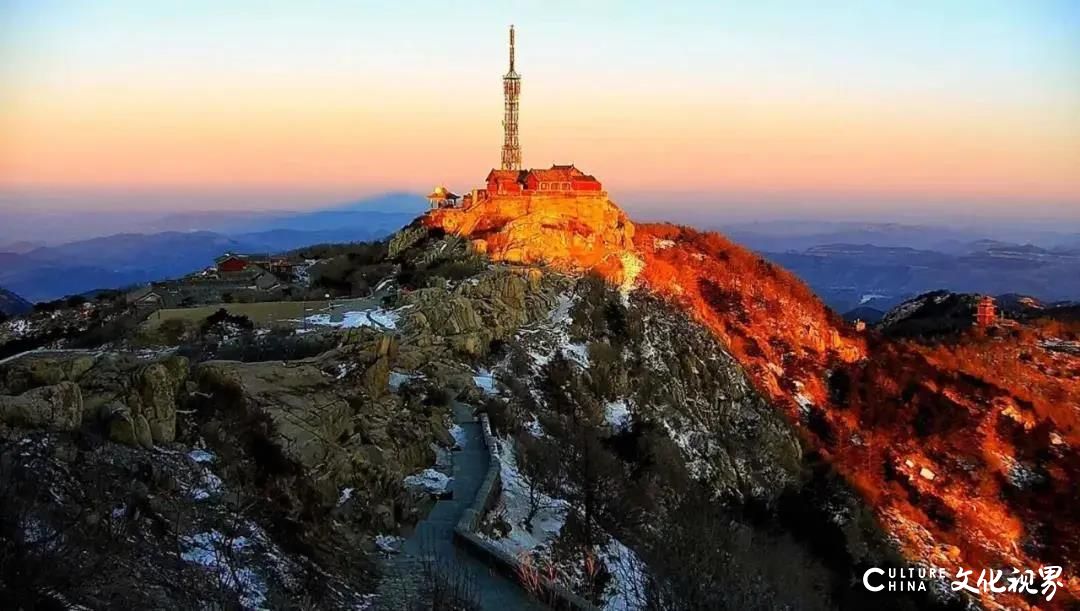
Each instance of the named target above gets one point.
<point>310,417</point>
<point>469,316</point>
<point>332,416</point>
<point>126,427</point>
<point>33,371</point>
<point>134,400</point>
<point>571,232</point>
<point>732,436</point>
<point>155,394</point>
<point>55,407</point>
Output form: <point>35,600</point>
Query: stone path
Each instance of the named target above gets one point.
<point>432,544</point>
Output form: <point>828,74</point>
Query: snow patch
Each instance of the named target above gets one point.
<point>486,381</point>
<point>514,502</point>
<point>617,414</point>
<point>389,544</point>
<point>378,318</point>
<point>1060,345</point>
<point>805,404</point>
<point>398,378</point>
<point>459,435</point>
<point>695,447</point>
<point>428,481</point>
<point>201,456</point>
<point>534,428</point>
<point>346,494</point>
<point>219,554</point>
<point>579,353</point>
<point>209,486</point>
<point>629,577</point>
<point>903,311</point>
<point>20,327</point>
<point>560,314</point>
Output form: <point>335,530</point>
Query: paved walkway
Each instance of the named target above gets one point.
<point>432,543</point>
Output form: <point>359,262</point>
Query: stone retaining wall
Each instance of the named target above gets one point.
<point>491,486</point>
<point>551,593</point>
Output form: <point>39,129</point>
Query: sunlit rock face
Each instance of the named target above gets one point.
<point>577,232</point>
<point>937,438</point>
<point>932,436</point>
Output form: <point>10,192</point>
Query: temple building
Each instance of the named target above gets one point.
<point>559,179</point>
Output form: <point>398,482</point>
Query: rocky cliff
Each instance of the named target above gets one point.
<point>936,447</point>
<point>570,233</point>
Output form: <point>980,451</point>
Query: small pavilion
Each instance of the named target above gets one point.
<point>441,197</point>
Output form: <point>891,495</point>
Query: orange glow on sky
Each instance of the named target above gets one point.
<point>239,109</point>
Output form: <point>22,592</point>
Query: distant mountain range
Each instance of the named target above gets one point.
<point>346,217</point>
<point>785,236</point>
<point>24,228</point>
<point>120,260</point>
<point>850,276</point>
<point>873,266</point>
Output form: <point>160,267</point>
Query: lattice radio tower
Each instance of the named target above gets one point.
<point>511,150</point>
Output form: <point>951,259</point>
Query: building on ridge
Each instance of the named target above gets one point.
<point>986,312</point>
<point>559,179</point>
<point>510,180</point>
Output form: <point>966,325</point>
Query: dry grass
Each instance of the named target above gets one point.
<point>263,314</point>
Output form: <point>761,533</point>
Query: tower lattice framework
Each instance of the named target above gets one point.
<point>511,150</point>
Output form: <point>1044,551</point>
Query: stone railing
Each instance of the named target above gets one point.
<point>551,593</point>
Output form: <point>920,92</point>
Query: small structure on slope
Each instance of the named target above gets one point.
<point>230,263</point>
<point>986,312</point>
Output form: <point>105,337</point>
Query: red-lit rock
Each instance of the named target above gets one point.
<point>979,413</point>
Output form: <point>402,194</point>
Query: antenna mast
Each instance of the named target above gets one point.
<point>511,150</point>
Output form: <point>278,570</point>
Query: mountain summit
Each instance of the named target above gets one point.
<point>571,232</point>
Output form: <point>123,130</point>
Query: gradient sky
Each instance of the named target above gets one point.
<point>861,108</point>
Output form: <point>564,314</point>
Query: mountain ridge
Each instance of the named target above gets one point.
<point>123,259</point>
<point>635,373</point>
<point>11,304</point>
<point>820,372</point>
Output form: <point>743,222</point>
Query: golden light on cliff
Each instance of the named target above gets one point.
<point>930,436</point>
